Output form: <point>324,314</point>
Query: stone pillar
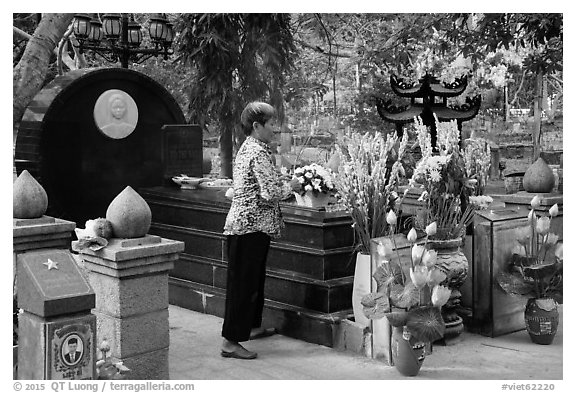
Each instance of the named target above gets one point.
<point>43,232</point>
<point>33,231</point>
<point>130,279</point>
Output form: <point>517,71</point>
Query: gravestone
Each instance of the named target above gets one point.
<point>181,147</point>
<point>91,132</point>
<point>57,332</point>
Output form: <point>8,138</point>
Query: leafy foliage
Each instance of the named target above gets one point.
<point>237,58</point>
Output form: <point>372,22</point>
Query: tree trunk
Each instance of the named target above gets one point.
<point>506,105</point>
<point>226,146</point>
<point>536,132</point>
<point>30,72</point>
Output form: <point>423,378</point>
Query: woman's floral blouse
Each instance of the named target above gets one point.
<point>257,191</point>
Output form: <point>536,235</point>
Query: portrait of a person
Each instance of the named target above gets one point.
<point>116,114</point>
<point>73,351</point>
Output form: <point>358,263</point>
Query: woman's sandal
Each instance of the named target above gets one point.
<point>239,353</point>
<point>263,333</point>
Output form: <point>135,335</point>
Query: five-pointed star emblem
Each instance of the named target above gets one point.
<point>51,264</point>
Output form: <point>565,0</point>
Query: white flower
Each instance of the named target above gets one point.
<point>412,235</point>
<point>431,229</point>
<point>419,275</point>
<point>391,218</point>
<point>384,250</point>
<point>429,258</point>
<point>553,210</point>
<point>440,295</point>
<point>435,176</point>
<point>308,187</point>
<point>417,252</point>
<point>535,202</point>
<point>543,225</point>
<point>308,175</point>
<point>559,253</point>
<point>90,228</point>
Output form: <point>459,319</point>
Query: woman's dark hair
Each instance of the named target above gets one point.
<point>259,112</point>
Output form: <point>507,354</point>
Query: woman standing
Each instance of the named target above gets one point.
<point>254,218</point>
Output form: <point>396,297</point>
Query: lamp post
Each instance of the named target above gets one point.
<point>123,37</point>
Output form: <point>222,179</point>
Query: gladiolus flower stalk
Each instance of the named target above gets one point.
<point>391,234</point>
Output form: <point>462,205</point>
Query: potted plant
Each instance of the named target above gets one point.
<point>535,271</point>
<point>449,180</point>
<point>370,166</point>
<point>316,184</point>
<point>410,295</point>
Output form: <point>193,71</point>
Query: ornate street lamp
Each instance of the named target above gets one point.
<point>123,37</point>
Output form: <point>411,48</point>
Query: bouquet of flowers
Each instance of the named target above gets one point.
<point>530,273</point>
<point>95,236</point>
<point>412,287</point>
<point>446,184</point>
<point>370,166</point>
<point>314,178</point>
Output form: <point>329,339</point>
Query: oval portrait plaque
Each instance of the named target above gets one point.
<point>116,114</point>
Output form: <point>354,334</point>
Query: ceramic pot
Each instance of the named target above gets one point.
<point>453,262</point>
<point>541,318</point>
<point>312,200</point>
<point>407,353</point>
<point>538,177</point>
<point>361,286</point>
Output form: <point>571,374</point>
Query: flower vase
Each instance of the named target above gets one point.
<point>312,200</point>
<point>453,262</point>
<point>362,285</point>
<point>541,318</point>
<point>407,354</point>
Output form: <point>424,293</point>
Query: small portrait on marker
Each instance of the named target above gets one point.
<point>72,349</point>
<point>116,114</point>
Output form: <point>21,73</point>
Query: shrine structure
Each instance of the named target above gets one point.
<point>433,95</point>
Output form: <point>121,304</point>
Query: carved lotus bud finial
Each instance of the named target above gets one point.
<point>539,177</point>
<point>29,197</point>
<point>129,215</point>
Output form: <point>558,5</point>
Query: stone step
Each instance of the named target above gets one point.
<point>303,324</point>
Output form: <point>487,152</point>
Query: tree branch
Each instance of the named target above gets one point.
<point>519,88</point>
<point>21,33</point>
<point>322,51</point>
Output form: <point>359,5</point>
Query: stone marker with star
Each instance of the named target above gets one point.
<point>56,301</point>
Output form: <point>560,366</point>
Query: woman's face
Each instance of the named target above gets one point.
<point>265,132</point>
<point>118,109</point>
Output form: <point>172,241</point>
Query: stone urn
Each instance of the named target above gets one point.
<point>29,197</point>
<point>129,215</point>
<point>539,177</point>
<point>452,261</point>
